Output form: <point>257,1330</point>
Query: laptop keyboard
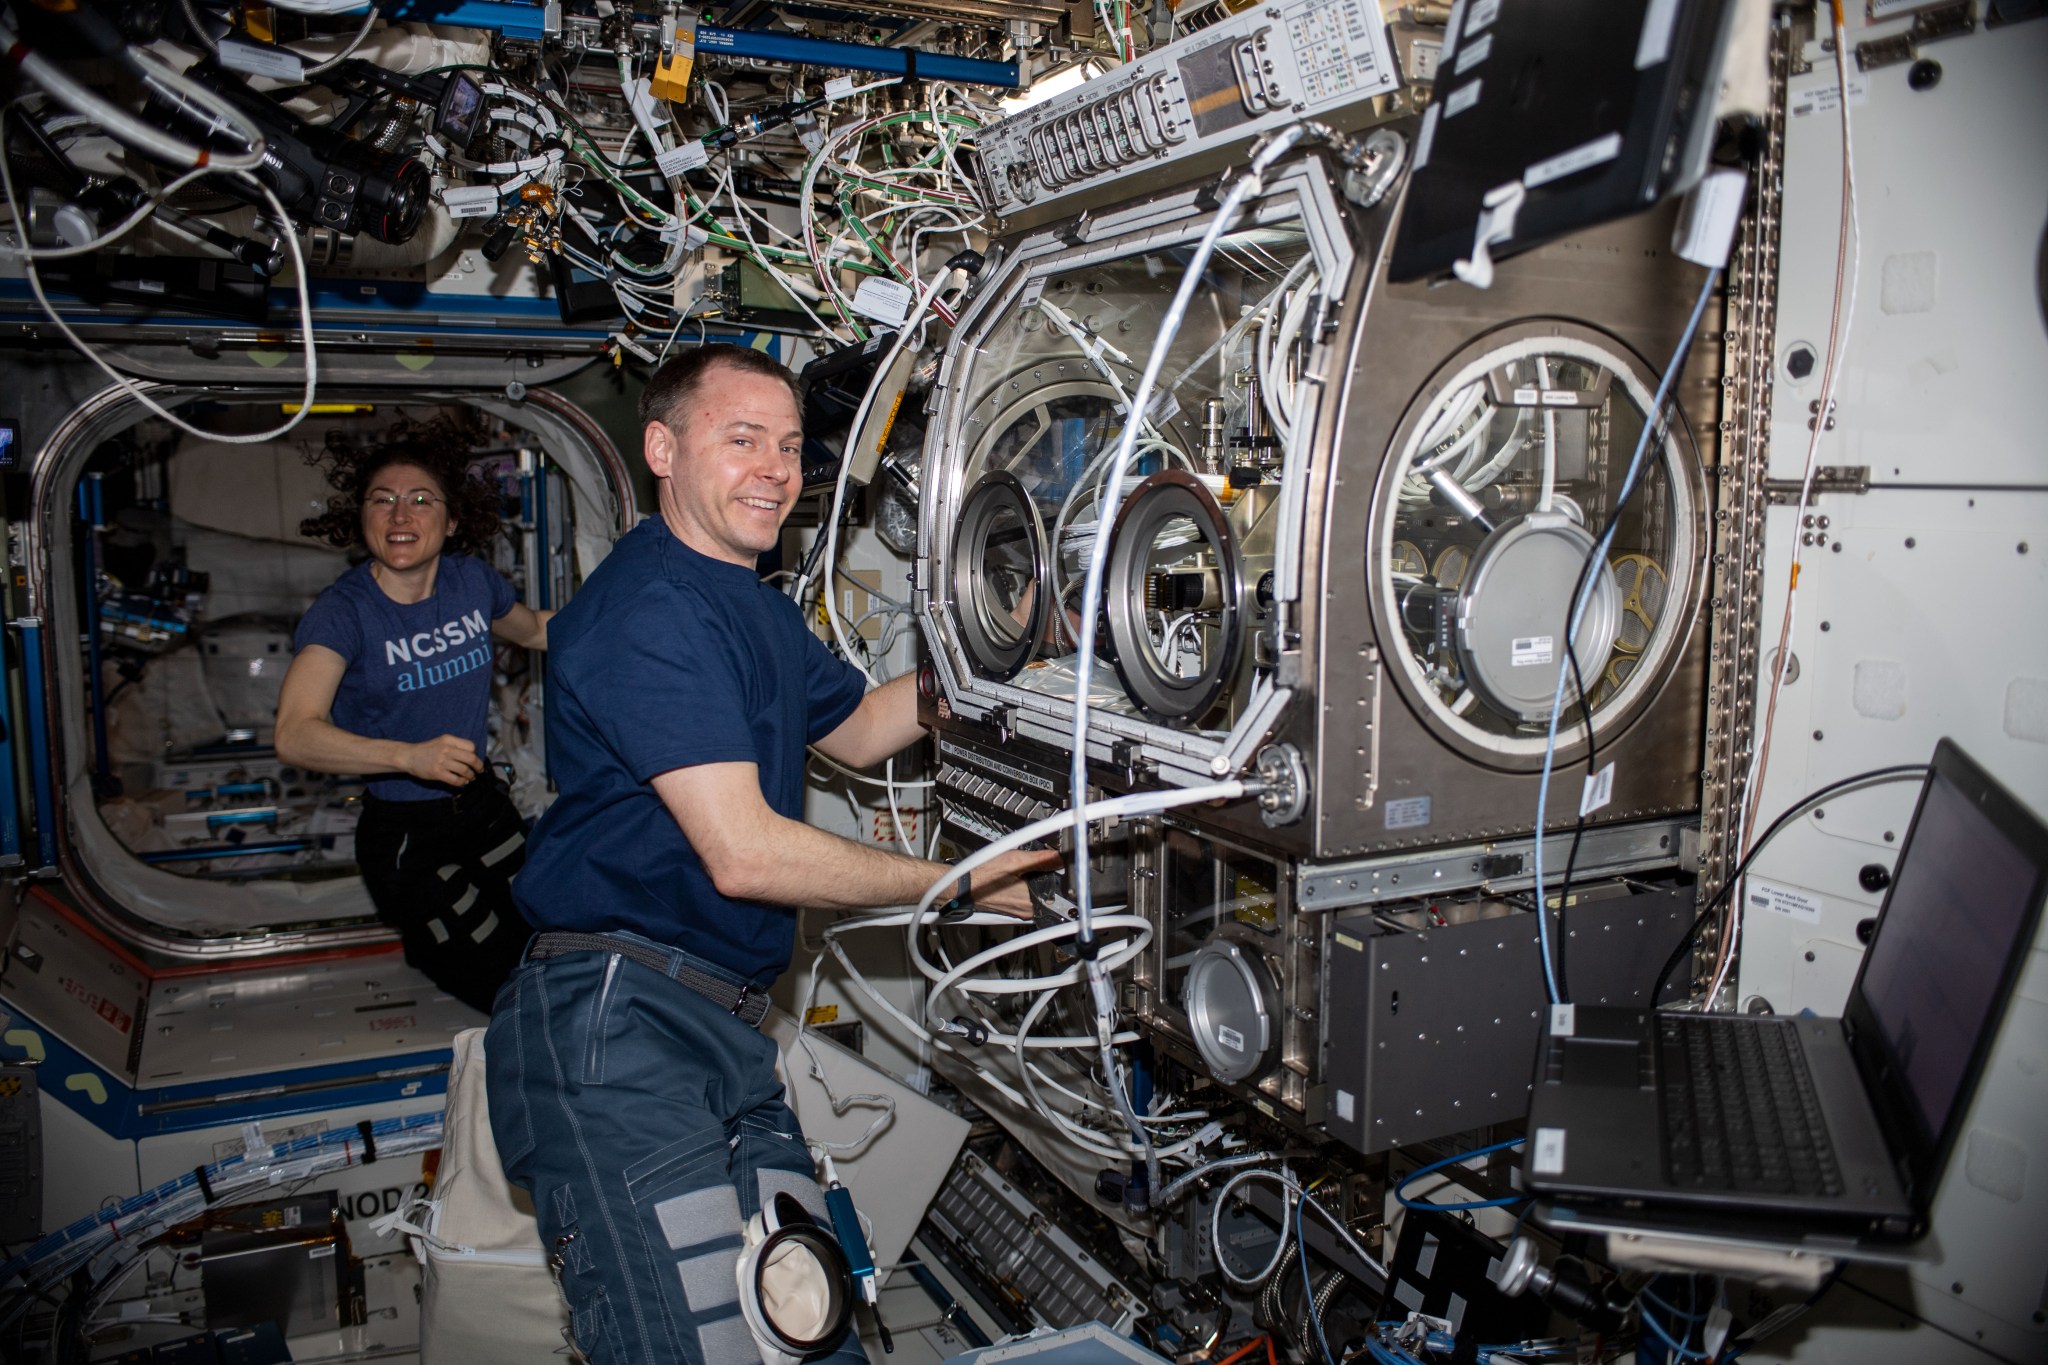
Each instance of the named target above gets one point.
<point>1739,1108</point>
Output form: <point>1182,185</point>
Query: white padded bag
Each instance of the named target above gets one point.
<point>487,1296</point>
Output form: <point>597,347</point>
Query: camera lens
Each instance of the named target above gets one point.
<point>394,201</point>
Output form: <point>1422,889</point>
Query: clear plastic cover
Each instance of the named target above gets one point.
<point>1048,398</point>
<point>1506,476</point>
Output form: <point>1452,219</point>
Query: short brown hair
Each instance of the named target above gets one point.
<point>673,385</point>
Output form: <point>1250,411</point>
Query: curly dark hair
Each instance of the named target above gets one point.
<point>441,445</point>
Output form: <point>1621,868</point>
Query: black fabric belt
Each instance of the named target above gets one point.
<point>743,1002</point>
<point>481,792</point>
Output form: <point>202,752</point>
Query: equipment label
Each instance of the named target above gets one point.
<point>886,301</point>
<point>1586,154</point>
<point>470,201</point>
<point>1472,54</point>
<point>1825,99</point>
<point>1230,1037</point>
<point>839,87</point>
<point>1599,791</point>
<point>252,59</point>
<point>1528,650</point>
<point>1547,1156</point>
<point>1783,900</point>
<point>1461,99</point>
<point>687,157</point>
<point>1347,1106</point>
<point>1410,812</point>
<point>1564,1020</point>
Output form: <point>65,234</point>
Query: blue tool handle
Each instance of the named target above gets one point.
<point>846,1226</point>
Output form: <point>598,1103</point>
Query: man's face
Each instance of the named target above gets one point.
<point>731,466</point>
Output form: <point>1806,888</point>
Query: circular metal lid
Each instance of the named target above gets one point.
<point>1512,615</point>
<point>1229,1000</point>
<point>1170,523</point>
<point>999,575</point>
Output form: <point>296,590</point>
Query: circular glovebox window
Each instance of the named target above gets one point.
<point>1508,487</point>
<point>1174,595</point>
<point>999,576</point>
<point>1230,998</point>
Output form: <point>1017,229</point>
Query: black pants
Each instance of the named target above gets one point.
<point>440,873</point>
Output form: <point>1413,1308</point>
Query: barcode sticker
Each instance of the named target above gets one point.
<point>1230,1037</point>
<point>839,87</point>
<point>1564,1020</point>
<point>1547,1157</point>
<point>886,301</point>
<point>1526,651</point>
<point>470,201</point>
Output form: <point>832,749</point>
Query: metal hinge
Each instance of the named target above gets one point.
<point>1829,478</point>
<point>1929,26</point>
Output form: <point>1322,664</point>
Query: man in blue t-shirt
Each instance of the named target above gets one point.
<point>630,1091</point>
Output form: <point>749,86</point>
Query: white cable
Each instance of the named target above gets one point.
<point>112,234</point>
<point>136,391</point>
<point>1848,265</point>
<point>127,128</point>
<point>1249,183</point>
<point>1109,808</point>
<point>320,6</point>
<point>361,34</point>
<point>849,773</point>
<point>1269,150</point>
<point>853,434</point>
<point>1288,1184</point>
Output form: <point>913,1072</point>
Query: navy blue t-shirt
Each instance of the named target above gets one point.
<point>416,671</point>
<point>664,659</point>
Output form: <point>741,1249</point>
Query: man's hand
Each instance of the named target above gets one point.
<point>449,760</point>
<point>999,884</point>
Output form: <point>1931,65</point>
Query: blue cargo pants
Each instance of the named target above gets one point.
<point>648,1125</point>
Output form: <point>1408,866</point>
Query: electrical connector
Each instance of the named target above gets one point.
<point>671,78</point>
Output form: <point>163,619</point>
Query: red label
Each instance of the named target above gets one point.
<point>98,1004</point>
<point>392,1021</point>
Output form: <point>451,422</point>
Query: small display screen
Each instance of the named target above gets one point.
<point>1954,919</point>
<point>461,103</point>
<point>10,442</point>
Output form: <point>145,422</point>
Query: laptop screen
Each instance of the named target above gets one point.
<point>1965,891</point>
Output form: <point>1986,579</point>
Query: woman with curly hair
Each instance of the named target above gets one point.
<point>391,679</point>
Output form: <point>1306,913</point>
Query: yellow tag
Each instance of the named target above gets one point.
<point>1346,941</point>
<point>821,1014</point>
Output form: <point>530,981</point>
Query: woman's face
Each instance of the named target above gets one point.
<point>405,517</point>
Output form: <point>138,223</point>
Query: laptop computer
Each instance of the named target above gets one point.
<point>1831,1125</point>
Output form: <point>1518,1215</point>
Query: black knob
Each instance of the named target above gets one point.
<point>1866,929</point>
<point>1923,75</point>
<point>1874,877</point>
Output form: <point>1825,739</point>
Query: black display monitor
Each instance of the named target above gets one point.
<point>1595,108</point>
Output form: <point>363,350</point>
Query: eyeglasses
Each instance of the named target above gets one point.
<point>384,503</point>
